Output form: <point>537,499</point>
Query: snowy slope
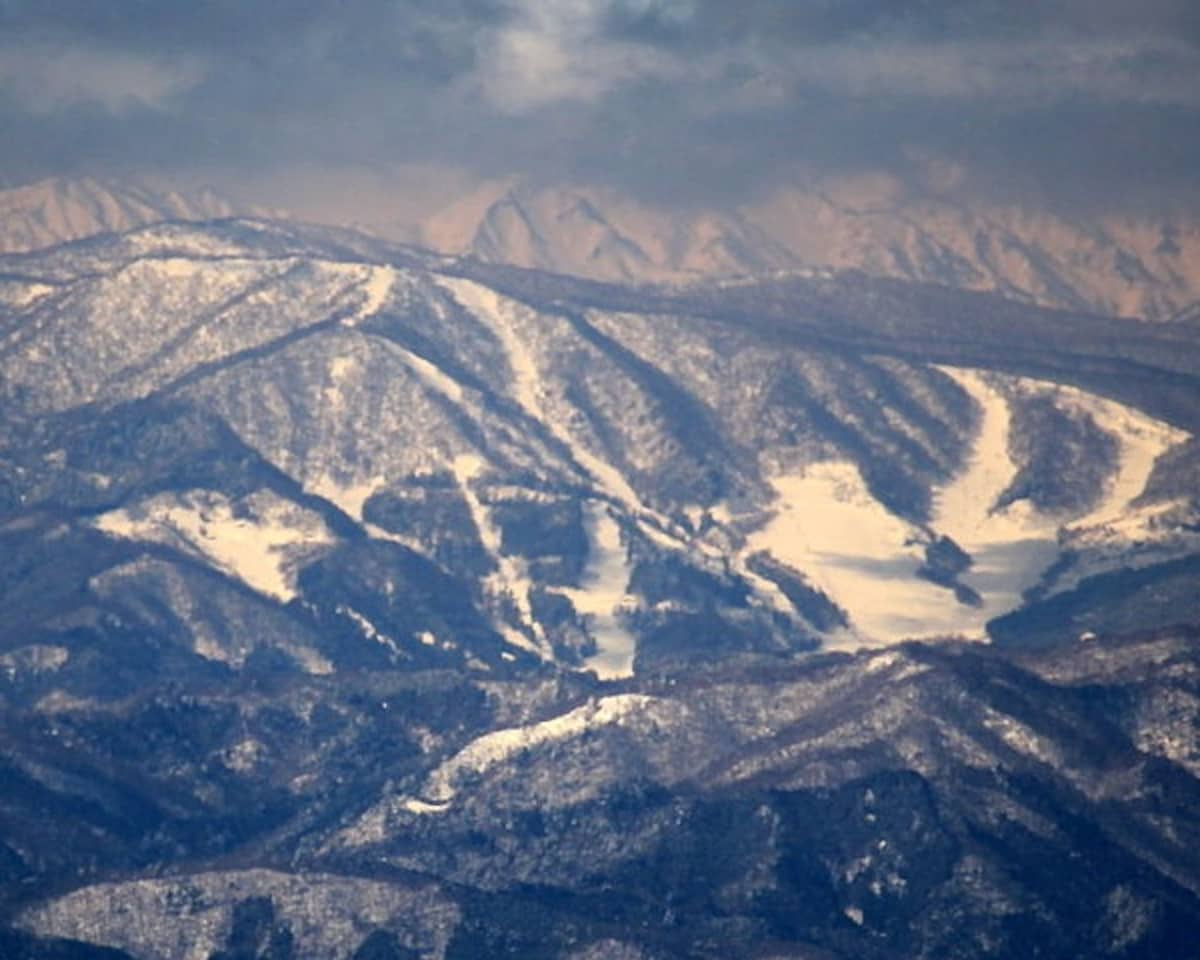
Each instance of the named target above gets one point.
<point>261,540</point>
<point>407,455</point>
<point>865,558</point>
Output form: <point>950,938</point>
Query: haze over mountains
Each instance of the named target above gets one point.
<point>54,211</point>
<point>1104,264</point>
<point>1109,264</point>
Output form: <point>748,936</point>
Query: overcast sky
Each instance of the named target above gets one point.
<point>679,101</point>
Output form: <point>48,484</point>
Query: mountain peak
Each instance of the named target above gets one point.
<point>1117,266</point>
<point>60,209</point>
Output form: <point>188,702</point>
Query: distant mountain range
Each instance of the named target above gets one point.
<point>1109,265</point>
<point>54,211</point>
<point>1117,266</point>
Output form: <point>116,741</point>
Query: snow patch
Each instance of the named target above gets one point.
<point>1142,441</point>
<point>828,525</point>
<point>161,238</point>
<point>602,594</point>
<point>369,630</point>
<point>432,375</point>
<point>22,294</point>
<point>1011,547</point>
<point>421,808</point>
<point>490,306</point>
<point>37,658</point>
<point>260,539</point>
<point>349,498</point>
<point>178,268</point>
<point>341,371</point>
<point>963,509</point>
<point>1024,739</point>
<point>244,755</point>
<point>377,284</point>
<point>494,748</point>
<point>850,546</point>
<point>1143,536</point>
<point>310,661</point>
<point>1014,546</point>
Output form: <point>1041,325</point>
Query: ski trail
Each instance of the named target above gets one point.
<point>606,577</point>
<point>511,577</point>
<point>529,388</point>
<point>601,595</point>
<point>377,287</point>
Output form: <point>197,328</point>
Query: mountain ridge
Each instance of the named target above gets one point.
<point>358,600</point>
<point>1104,264</point>
<point>58,210</point>
<point>882,804</point>
<point>659,448</point>
<point>1108,265</point>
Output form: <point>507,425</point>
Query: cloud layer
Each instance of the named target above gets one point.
<point>1094,101</point>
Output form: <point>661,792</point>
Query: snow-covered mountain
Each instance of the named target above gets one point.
<point>1103,264</point>
<point>453,463</point>
<point>600,235</point>
<point>357,600</point>
<point>918,802</point>
<point>56,210</point>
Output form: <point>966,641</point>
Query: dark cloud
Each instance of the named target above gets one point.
<point>674,99</point>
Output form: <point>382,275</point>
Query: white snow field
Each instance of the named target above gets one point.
<point>601,595</point>
<point>260,540</point>
<point>828,525</point>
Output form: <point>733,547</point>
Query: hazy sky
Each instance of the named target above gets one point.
<point>1079,101</point>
